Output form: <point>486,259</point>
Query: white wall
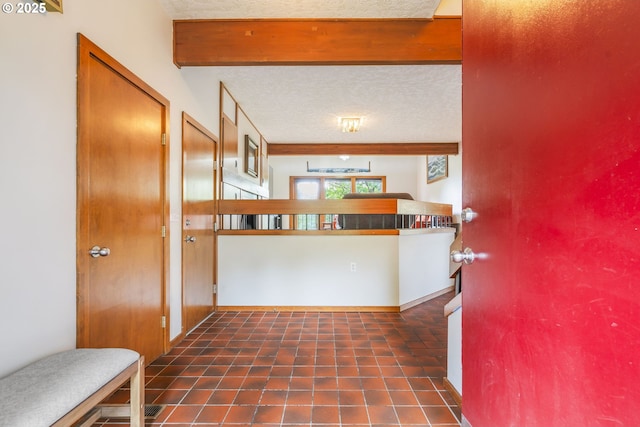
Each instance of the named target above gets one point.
<point>38,158</point>
<point>307,271</point>
<point>315,270</point>
<point>405,174</point>
<point>400,170</point>
<point>454,350</point>
<point>424,263</point>
<point>448,190</point>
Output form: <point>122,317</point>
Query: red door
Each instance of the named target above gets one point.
<point>551,155</point>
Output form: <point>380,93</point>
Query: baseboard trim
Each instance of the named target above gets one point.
<point>174,342</point>
<point>452,391</point>
<point>425,298</point>
<point>182,335</point>
<point>310,308</point>
<point>339,308</point>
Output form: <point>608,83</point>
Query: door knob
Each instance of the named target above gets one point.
<point>468,215</point>
<point>190,239</point>
<point>467,256</point>
<point>97,251</point>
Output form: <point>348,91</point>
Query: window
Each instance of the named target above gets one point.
<point>306,189</point>
<point>324,187</point>
<point>335,188</point>
<point>369,185</point>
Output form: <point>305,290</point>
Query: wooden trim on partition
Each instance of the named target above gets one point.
<point>342,232</point>
<point>453,305</point>
<point>425,298</point>
<point>326,41</point>
<point>452,390</point>
<point>416,207</point>
<point>342,206</point>
<point>354,232</point>
<point>385,149</point>
<point>311,308</point>
<point>294,207</point>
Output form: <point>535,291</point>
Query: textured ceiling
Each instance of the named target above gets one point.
<point>412,103</point>
<point>228,9</point>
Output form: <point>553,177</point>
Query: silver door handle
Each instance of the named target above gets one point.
<point>190,239</point>
<point>97,251</point>
<point>467,256</point>
<point>468,215</point>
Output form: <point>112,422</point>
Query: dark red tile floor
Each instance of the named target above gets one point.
<point>306,369</point>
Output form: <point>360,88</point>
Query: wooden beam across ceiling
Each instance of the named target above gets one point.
<point>383,149</point>
<point>317,41</point>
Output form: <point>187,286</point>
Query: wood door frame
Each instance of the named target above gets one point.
<point>86,50</point>
<point>189,120</point>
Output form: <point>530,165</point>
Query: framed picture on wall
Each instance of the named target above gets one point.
<point>251,156</point>
<point>437,168</point>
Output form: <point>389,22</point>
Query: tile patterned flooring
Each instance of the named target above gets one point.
<point>306,369</point>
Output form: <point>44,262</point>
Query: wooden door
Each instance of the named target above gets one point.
<point>199,148</point>
<point>551,156</point>
<point>122,207</point>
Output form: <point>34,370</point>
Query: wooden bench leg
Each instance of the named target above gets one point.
<point>137,395</point>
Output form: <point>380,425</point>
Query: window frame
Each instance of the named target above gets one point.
<point>321,180</point>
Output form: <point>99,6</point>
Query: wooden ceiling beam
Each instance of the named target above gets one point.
<point>317,41</point>
<point>388,149</point>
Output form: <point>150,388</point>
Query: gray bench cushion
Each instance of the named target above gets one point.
<point>44,391</point>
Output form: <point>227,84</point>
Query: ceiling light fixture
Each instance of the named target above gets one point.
<point>350,124</point>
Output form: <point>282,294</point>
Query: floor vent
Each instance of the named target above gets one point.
<point>151,412</point>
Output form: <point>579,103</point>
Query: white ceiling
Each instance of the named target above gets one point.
<point>412,103</point>
<point>238,9</point>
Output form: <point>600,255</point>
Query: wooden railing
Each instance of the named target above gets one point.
<point>284,216</point>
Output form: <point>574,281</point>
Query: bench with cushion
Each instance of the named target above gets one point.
<point>63,388</point>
